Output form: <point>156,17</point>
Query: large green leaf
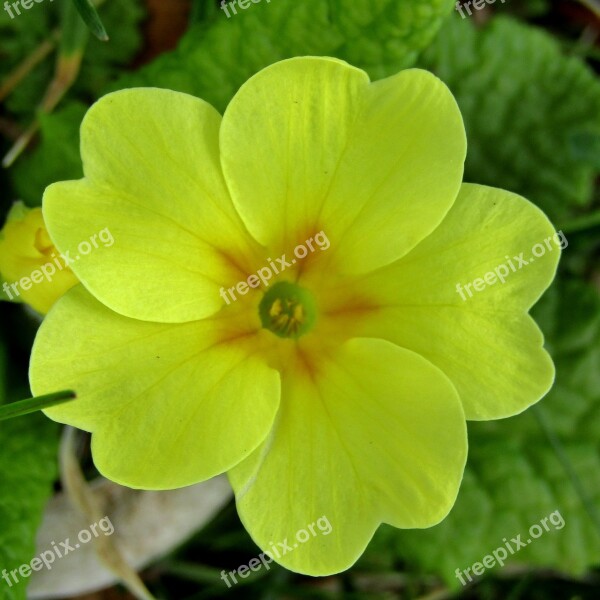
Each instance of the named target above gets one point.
<point>532,113</point>
<point>216,56</point>
<point>28,450</point>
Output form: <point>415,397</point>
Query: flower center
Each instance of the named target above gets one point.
<point>288,310</point>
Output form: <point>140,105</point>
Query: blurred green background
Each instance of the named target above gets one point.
<point>525,74</point>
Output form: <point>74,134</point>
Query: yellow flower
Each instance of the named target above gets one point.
<point>335,387</point>
<point>30,265</point>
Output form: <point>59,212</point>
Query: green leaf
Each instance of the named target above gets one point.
<point>514,478</point>
<point>91,18</point>
<point>3,373</point>
<point>28,468</point>
<point>532,114</point>
<point>217,56</point>
<point>585,146</point>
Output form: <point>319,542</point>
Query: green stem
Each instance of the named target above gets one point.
<point>567,466</point>
<point>24,407</point>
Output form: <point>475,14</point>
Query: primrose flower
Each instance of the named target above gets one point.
<point>338,386</point>
<point>30,265</point>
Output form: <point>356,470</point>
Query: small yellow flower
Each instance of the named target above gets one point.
<point>336,386</point>
<point>30,265</point>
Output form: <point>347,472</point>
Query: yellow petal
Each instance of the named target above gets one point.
<point>31,267</point>
<point>486,343</point>
<point>169,405</point>
<point>308,144</point>
<point>153,183</point>
<point>374,434</point>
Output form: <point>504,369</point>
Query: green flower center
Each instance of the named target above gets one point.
<point>288,310</point>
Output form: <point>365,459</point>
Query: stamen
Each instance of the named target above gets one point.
<point>288,310</point>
